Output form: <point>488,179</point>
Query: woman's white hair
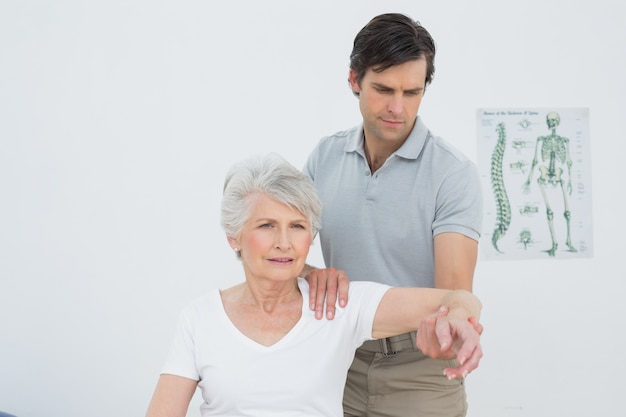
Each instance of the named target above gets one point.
<point>274,177</point>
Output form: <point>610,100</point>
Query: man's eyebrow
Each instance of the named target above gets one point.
<point>386,87</point>
<point>379,85</point>
<point>415,90</point>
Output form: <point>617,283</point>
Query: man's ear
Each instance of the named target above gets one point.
<point>352,80</point>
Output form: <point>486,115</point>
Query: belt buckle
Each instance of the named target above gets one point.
<point>385,345</point>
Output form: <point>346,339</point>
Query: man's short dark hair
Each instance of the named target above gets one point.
<point>391,39</point>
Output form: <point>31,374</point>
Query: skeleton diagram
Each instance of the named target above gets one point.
<point>554,154</point>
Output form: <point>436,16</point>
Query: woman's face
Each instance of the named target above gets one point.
<point>274,241</point>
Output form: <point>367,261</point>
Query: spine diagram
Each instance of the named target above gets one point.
<point>503,206</point>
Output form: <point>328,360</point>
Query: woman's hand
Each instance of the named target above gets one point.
<point>441,336</point>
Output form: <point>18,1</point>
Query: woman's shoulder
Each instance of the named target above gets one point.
<point>366,287</point>
<point>203,302</point>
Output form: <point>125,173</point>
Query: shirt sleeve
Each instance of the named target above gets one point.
<point>181,358</point>
<point>368,295</point>
<point>459,205</point>
<point>310,164</point>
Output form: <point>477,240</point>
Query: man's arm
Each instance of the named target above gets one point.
<point>455,261</point>
<point>325,285</point>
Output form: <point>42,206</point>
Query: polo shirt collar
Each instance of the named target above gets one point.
<point>410,149</point>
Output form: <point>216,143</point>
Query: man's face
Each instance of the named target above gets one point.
<point>389,100</point>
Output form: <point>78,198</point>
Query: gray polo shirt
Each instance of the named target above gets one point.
<point>380,227</point>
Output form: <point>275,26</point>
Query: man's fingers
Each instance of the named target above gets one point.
<point>344,285</point>
<point>331,298</point>
<point>320,294</point>
<point>325,287</point>
<point>443,333</point>
<point>424,341</point>
<point>312,280</point>
<point>477,326</point>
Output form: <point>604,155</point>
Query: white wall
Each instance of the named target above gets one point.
<point>119,118</point>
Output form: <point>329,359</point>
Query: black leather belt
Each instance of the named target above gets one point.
<point>390,346</point>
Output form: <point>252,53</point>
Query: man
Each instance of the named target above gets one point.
<point>402,207</point>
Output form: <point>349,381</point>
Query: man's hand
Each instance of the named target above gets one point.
<point>326,285</point>
<point>443,337</point>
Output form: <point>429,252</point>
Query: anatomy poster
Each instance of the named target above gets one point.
<point>535,168</point>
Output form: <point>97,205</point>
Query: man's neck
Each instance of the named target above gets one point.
<point>377,151</point>
<point>376,157</point>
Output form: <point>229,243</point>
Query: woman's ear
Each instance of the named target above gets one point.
<point>234,243</point>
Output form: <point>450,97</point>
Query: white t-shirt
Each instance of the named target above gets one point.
<point>303,374</point>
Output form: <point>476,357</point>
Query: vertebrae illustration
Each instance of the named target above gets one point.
<point>503,206</point>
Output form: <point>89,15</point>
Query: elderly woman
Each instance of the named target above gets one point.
<point>256,349</point>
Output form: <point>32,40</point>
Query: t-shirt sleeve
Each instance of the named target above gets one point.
<point>310,164</point>
<point>459,206</point>
<point>181,357</point>
<point>368,296</point>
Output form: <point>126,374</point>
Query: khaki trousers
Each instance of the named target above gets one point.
<point>401,385</point>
